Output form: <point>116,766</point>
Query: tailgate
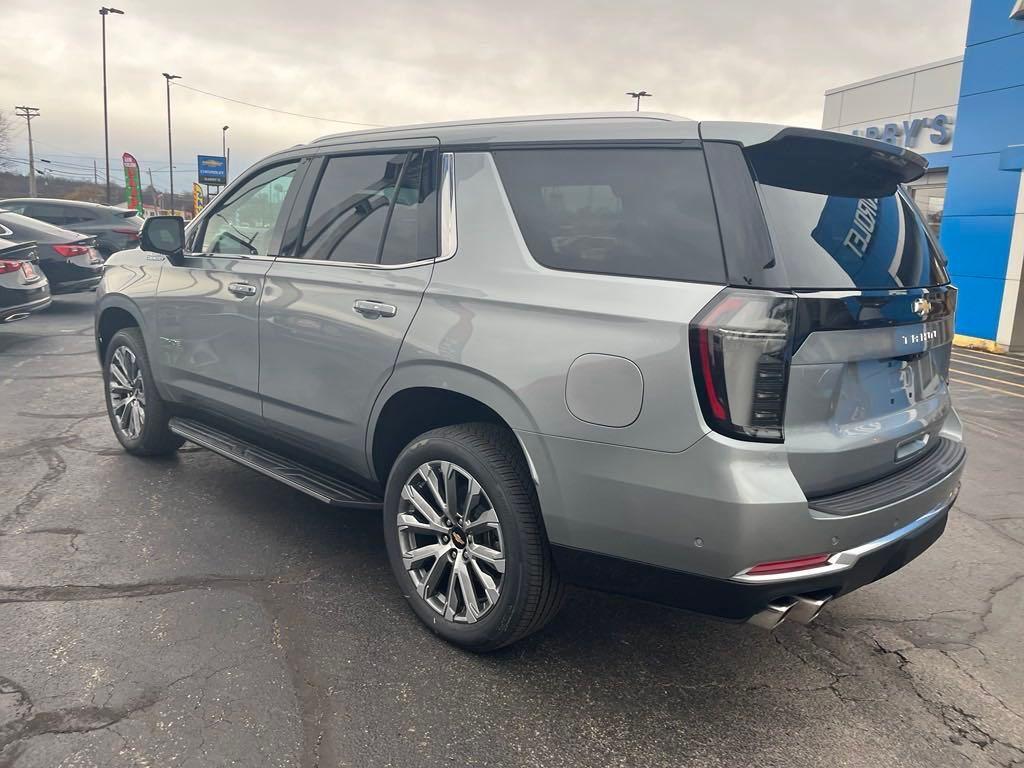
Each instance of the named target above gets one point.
<point>827,222</point>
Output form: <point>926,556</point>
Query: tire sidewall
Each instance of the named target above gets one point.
<point>502,616</point>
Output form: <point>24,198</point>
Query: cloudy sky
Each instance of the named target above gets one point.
<point>404,61</point>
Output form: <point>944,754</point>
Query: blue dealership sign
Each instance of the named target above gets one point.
<point>213,169</point>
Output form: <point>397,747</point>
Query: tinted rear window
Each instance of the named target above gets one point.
<point>835,241</point>
<point>633,212</point>
<point>837,217</point>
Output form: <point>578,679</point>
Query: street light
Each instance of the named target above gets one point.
<point>224,149</point>
<point>170,154</point>
<point>638,95</point>
<point>106,134</point>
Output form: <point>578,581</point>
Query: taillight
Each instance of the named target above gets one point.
<point>69,251</point>
<point>132,233</point>
<point>6,267</point>
<point>740,347</point>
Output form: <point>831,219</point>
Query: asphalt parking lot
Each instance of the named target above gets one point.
<point>189,612</point>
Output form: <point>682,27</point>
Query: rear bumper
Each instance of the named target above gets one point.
<point>32,306</point>
<point>74,286</point>
<point>65,276</point>
<point>738,599</point>
<point>684,529</point>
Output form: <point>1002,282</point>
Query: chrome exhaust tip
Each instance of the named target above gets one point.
<point>797,608</point>
<point>773,614</point>
<point>806,609</point>
<point>15,317</point>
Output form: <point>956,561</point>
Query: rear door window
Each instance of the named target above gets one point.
<point>643,212</point>
<point>48,212</point>
<point>350,208</point>
<point>412,228</point>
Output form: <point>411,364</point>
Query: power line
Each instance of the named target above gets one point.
<point>272,109</point>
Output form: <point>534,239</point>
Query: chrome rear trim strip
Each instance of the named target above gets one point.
<point>846,559</point>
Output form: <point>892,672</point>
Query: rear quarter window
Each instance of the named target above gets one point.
<point>642,212</point>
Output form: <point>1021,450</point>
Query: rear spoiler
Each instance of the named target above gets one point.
<point>830,163</point>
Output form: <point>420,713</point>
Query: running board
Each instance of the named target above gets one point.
<point>321,486</point>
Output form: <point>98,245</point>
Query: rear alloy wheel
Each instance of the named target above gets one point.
<point>465,537</point>
<point>137,414</point>
<point>450,540</point>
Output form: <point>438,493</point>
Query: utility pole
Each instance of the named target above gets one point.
<point>170,154</point>
<point>106,134</point>
<point>28,113</point>
<point>150,172</point>
<point>638,95</point>
<point>95,175</point>
<point>224,150</point>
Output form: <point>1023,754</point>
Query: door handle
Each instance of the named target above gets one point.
<point>374,309</point>
<point>242,289</point>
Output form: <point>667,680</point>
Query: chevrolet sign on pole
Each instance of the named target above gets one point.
<point>213,170</point>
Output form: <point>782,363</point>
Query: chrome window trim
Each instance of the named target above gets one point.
<point>356,264</point>
<point>448,223</point>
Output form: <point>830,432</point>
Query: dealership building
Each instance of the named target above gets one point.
<point>966,115</point>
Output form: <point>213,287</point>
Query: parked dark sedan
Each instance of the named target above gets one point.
<point>69,259</point>
<point>23,287</point>
<point>115,229</point>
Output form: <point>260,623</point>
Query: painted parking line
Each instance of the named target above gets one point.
<point>990,378</point>
<point>990,389</point>
<point>957,361</point>
<point>990,359</point>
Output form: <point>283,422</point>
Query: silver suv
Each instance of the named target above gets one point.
<point>704,364</point>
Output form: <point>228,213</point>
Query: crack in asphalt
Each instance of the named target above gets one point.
<point>66,593</point>
<point>55,469</point>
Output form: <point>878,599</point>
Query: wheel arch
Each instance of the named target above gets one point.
<point>114,313</point>
<point>424,396</point>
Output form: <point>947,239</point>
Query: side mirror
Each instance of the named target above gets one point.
<point>166,235</point>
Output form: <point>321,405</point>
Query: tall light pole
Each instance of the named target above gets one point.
<point>638,95</point>
<point>106,133</point>
<point>224,149</point>
<point>170,154</point>
<point>28,113</point>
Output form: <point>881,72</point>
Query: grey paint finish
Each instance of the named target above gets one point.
<point>624,463</point>
<point>322,364</point>
<point>605,390</point>
<point>613,126</point>
<point>205,340</point>
<point>497,322</point>
<point>739,499</point>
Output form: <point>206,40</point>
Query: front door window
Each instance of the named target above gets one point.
<point>243,224</point>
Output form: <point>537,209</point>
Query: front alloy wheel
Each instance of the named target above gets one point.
<point>137,413</point>
<point>127,393</point>
<point>450,541</point>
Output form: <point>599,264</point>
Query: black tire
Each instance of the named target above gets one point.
<point>531,592</point>
<point>155,439</point>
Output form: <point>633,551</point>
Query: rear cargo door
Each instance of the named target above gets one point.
<point>824,218</point>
